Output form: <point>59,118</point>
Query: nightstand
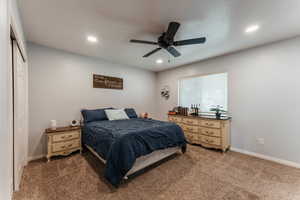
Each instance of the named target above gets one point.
<point>63,141</point>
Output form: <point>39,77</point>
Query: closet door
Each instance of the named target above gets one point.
<point>20,118</point>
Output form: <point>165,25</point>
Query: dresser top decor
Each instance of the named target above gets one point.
<point>202,116</point>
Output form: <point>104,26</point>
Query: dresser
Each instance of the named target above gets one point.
<point>206,131</point>
<point>63,141</point>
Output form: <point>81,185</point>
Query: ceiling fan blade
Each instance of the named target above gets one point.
<point>173,51</point>
<point>152,52</point>
<point>172,30</point>
<point>190,41</point>
<point>143,42</point>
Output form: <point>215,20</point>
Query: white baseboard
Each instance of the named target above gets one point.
<point>31,158</point>
<point>265,157</point>
<point>19,178</point>
<point>11,194</point>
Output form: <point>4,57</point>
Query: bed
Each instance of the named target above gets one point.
<point>129,145</point>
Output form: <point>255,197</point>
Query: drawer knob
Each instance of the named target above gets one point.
<point>209,141</point>
<point>210,133</point>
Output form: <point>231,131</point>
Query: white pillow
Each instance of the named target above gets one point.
<point>116,114</point>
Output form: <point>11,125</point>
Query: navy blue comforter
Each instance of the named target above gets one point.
<point>120,142</point>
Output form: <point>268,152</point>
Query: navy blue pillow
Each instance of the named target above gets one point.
<point>130,112</point>
<point>94,115</point>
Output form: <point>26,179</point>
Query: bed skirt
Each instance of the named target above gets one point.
<point>145,161</point>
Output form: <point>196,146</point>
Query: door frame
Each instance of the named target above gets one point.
<point>14,39</point>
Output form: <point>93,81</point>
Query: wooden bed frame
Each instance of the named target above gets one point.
<point>143,161</point>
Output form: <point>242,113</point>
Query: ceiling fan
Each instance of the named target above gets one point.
<point>166,41</point>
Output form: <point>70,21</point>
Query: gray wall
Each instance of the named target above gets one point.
<point>60,85</point>
<point>263,92</point>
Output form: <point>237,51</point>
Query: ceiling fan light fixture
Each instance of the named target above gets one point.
<point>159,61</point>
<point>92,39</point>
<point>252,28</point>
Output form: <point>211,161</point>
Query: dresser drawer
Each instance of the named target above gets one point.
<point>190,121</point>
<point>211,132</point>
<point>192,137</point>
<point>188,136</point>
<point>210,123</point>
<point>61,146</point>
<point>211,140</point>
<point>180,124</point>
<point>175,119</point>
<point>196,138</point>
<point>187,128</point>
<point>66,136</point>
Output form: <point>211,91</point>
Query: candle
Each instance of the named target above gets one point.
<point>53,124</point>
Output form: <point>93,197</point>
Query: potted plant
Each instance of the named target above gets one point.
<point>218,111</point>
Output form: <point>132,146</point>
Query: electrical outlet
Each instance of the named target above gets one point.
<point>260,141</point>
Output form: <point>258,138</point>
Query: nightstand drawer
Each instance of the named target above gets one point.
<point>211,132</point>
<point>190,121</point>
<point>211,140</point>
<point>66,136</point>
<point>193,129</point>
<point>210,123</point>
<point>175,119</point>
<point>61,146</point>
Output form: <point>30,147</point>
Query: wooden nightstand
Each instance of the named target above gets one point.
<point>63,141</point>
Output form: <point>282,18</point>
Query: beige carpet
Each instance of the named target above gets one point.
<point>199,174</point>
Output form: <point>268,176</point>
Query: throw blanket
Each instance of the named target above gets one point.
<point>121,142</point>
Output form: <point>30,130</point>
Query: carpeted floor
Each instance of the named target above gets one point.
<point>199,174</point>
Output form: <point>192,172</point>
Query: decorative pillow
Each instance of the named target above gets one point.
<point>94,115</point>
<point>130,112</point>
<point>116,114</point>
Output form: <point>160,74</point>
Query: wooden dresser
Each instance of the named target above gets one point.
<point>208,132</point>
<point>63,141</point>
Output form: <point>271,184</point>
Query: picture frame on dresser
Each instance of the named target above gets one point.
<point>205,131</point>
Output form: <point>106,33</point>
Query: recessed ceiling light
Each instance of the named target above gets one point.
<point>252,28</point>
<point>92,39</point>
<point>159,61</point>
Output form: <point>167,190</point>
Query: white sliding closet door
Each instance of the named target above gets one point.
<point>20,114</point>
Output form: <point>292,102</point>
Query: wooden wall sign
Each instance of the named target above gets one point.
<point>100,81</point>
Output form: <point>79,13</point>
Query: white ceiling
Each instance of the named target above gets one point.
<point>64,24</point>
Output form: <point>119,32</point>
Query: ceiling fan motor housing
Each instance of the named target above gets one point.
<point>164,41</point>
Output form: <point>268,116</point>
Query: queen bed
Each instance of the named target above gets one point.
<point>129,145</point>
